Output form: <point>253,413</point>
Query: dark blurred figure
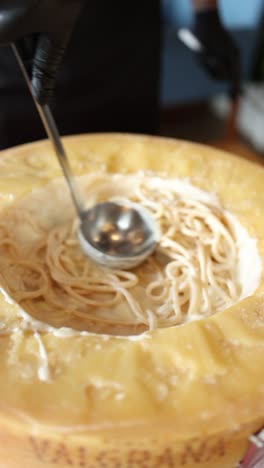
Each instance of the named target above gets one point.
<point>109,80</point>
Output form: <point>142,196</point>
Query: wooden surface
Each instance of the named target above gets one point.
<point>235,146</point>
<point>232,141</point>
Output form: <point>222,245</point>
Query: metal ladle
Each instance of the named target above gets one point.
<point>117,235</point>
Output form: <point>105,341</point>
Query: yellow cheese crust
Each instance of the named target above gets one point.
<point>185,389</point>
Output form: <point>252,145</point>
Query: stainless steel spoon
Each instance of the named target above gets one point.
<point>117,235</point>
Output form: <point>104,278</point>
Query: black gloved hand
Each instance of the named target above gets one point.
<point>42,29</point>
<point>219,55</point>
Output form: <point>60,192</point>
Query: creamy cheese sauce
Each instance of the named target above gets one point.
<point>137,312</point>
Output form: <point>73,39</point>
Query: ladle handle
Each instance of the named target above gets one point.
<point>54,137</point>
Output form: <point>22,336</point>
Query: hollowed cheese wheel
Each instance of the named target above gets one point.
<point>183,396</point>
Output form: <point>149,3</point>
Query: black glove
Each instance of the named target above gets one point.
<point>219,55</point>
<point>41,29</point>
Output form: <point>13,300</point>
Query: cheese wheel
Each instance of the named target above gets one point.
<point>181,396</point>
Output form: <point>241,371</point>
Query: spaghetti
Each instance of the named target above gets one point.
<point>191,275</point>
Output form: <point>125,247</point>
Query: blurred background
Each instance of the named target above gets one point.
<point>192,105</point>
<point>183,81</point>
<point>198,108</point>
